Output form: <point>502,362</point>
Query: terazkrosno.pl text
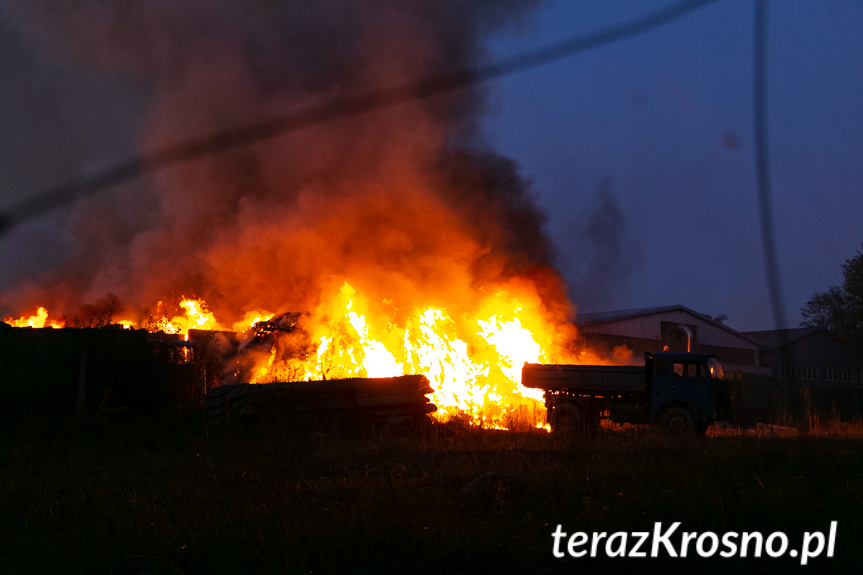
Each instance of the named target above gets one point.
<point>670,541</point>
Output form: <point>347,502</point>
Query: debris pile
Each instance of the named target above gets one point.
<point>389,400</point>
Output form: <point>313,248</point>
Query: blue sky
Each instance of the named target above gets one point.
<point>665,120</point>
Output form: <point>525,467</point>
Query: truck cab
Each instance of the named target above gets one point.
<point>687,390</point>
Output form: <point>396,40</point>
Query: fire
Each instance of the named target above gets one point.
<point>197,316</point>
<point>411,209</point>
<point>251,319</point>
<point>159,320</point>
<point>37,320</point>
<point>473,361</point>
<point>262,370</point>
<point>472,354</point>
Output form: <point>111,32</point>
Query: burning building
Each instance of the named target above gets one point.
<point>396,239</point>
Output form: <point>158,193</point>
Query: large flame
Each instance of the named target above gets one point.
<point>39,319</point>
<point>472,358</point>
<point>396,240</point>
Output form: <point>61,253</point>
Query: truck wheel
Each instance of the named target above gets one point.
<point>568,420</point>
<point>677,421</point>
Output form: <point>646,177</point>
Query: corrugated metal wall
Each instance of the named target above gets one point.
<point>649,327</point>
<point>643,327</point>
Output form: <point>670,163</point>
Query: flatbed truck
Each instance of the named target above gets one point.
<point>680,393</point>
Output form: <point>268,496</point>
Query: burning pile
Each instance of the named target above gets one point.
<point>472,360</point>
<point>396,241</point>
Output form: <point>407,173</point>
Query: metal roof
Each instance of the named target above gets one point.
<point>605,317</point>
<point>594,318</point>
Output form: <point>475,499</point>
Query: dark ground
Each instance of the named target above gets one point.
<point>164,494</point>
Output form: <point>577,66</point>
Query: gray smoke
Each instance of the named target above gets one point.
<point>406,195</point>
<point>600,258</point>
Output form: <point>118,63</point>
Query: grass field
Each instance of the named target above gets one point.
<point>163,494</point>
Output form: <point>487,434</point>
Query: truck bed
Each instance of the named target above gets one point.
<point>609,378</point>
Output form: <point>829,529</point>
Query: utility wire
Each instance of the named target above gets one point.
<point>765,205</point>
<point>130,169</point>
<point>762,167</point>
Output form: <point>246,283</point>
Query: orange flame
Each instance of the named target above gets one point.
<point>473,361</point>
<point>37,320</point>
<point>197,316</point>
<point>472,355</point>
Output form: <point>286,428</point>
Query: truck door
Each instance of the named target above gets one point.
<point>689,385</point>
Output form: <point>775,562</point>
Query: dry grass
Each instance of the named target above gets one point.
<point>813,426</point>
<point>165,495</point>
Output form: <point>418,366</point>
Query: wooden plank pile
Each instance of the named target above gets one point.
<point>390,400</point>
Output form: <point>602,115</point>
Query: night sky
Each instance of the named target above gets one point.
<point>651,139</point>
<point>641,152</point>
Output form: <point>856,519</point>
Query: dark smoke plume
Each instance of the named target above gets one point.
<point>403,198</point>
<point>599,242</point>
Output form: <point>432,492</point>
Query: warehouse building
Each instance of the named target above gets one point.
<point>772,373</point>
<point>675,328</point>
<point>830,376</point>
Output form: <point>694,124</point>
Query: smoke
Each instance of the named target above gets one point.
<point>405,199</point>
<point>604,256</point>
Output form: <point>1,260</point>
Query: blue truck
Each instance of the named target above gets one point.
<point>680,393</point>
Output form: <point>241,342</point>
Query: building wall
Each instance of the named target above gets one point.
<point>654,332</point>
<point>815,358</point>
<point>815,377</point>
<point>829,378</point>
<point>733,357</point>
<point>604,345</point>
<point>650,327</point>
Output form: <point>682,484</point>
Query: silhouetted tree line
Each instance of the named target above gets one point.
<point>840,308</point>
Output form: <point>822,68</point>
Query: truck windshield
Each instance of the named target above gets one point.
<point>715,368</point>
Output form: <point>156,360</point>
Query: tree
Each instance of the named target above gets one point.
<point>840,308</point>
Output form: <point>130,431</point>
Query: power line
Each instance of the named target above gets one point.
<point>765,205</point>
<point>762,166</point>
<point>130,169</point>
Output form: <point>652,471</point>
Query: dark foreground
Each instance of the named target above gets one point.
<point>166,495</point>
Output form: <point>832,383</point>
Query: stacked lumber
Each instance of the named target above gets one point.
<point>389,400</point>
